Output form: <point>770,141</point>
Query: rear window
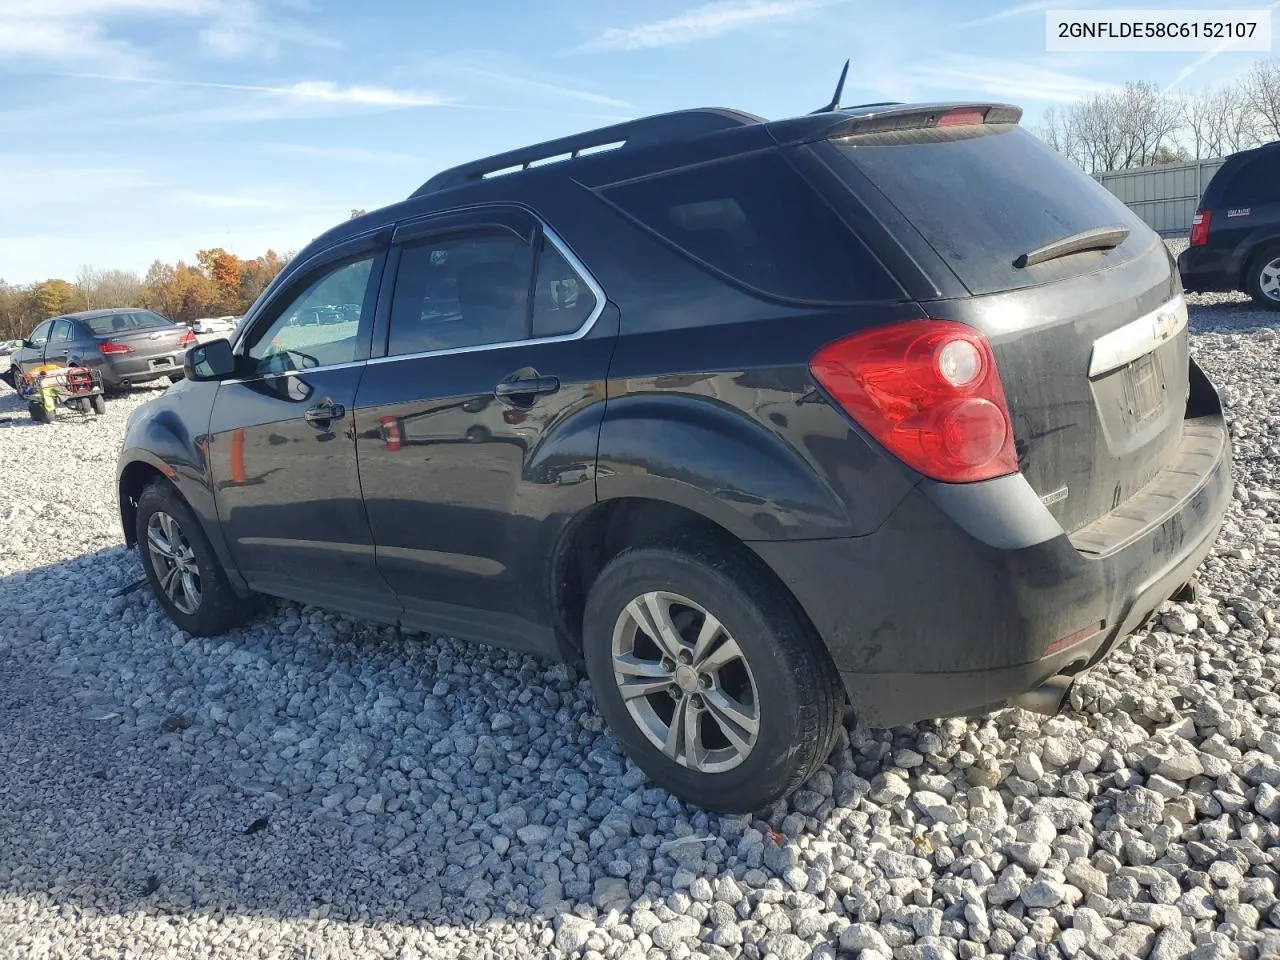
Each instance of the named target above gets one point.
<point>1256,183</point>
<point>983,197</point>
<point>125,323</point>
<point>754,220</point>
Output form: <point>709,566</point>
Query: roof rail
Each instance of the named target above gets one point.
<point>663,127</point>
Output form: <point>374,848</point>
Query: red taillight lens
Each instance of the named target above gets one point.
<point>930,392</point>
<point>187,339</point>
<point>112,349</point>
<point>1200,228</point>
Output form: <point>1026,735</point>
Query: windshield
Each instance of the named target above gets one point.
<point>117,323</point>
<point>983,200</point>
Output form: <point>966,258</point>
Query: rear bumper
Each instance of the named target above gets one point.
<point>119,372</point>
<point>970,595</point>
<point>1205,269</point>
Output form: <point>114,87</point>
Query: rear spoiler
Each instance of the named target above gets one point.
<point>889,118</point>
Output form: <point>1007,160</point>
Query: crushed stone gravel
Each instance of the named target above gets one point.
<point>313,786</point>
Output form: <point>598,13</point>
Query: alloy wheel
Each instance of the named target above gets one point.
<point>685,682</point>
<point>174,562</point>
<point>1269,280</point>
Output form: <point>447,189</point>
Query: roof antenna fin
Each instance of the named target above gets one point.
<point>835,99</point>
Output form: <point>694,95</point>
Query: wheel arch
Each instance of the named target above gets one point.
<point>140,467</point>
<point>600,532</point>
<point>1253,259</point>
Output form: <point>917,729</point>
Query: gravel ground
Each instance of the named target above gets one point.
<point>310,786</point>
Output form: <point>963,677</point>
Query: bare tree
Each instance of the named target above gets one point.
<point>108,288</point>
<point>1202,123</point>
<point>1263,85</point>
<point>119,288</point>
<point>1055,130</point>
<point>1116,129</point>
<point>1240,126</point>
<point>1147,121</point>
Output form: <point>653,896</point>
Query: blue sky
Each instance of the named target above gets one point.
<point>132,130</point>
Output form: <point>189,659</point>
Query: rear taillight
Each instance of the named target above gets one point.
<point>1200,228</point>
<point>109,349</point>
<point>187,339</point>
<point>929,391</point>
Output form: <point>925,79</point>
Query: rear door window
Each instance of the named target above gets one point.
<point>755,220</point>
<point>985,196</point>
<point>461,290</point>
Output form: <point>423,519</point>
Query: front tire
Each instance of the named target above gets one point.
<point>99,404</point>
<point>37,411</point>
<point>1263,282</point>
<point>710,675</point>
<point>182,569</point>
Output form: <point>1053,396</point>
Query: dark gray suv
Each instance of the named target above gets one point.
<point>888,407</point>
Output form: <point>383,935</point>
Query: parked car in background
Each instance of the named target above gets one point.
<point>209,325</point>
<point>129,346</point>
<point>8,346</point>
<point>886,407</point>
<point>1235,236</point>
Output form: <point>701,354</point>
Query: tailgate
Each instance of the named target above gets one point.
<point>1095,370</point>
<point>1091,344</point>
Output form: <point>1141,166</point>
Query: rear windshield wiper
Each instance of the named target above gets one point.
<point>1100,238</point>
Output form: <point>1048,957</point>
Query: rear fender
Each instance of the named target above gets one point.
<point>723,464</point>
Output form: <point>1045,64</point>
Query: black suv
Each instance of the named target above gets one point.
<point>1235,236</point>
<point>882,408</point>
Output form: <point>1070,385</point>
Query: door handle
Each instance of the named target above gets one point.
<point>528,387</point>
<point>324,412</point>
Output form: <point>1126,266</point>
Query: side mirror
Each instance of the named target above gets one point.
<point>209,361</point>
<point>28,345</point>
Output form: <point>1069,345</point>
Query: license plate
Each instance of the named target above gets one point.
<point>162,362</point>
<point>1145,386</point>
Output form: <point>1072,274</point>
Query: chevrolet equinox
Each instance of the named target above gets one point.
<point>885,409</point>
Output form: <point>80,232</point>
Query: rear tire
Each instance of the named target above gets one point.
<point>38,412</point>
<point>176,377</point>
<point>99,404</point>
<point>1263,280</point>
<point>182,569</point>
<point>760,666</point>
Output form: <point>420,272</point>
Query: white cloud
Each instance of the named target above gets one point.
<point>344,154</point>
<point>91,30</point>
<point>1208,56</point>
<point>220,201</point>
<point>963,76</point>
<point>702,23</point>
<point>539,86</point>
<point>1027,9</point>
<point>321,91</point>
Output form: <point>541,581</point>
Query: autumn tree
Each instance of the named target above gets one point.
<point>226,271</point>
<point>52,297</point>
<point>217,283</point>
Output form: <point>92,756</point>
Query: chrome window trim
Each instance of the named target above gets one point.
<point>578,266</point>
<point>1138,337</point>
<point>296,373</point>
